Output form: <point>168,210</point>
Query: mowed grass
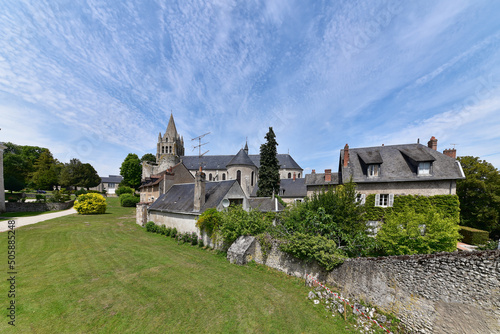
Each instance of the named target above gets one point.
<point>105,274</point>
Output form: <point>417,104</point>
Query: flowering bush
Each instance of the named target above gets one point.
<point>88,204</point>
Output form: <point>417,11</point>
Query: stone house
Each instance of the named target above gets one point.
<point>109,183</point>
<point>155,185</point>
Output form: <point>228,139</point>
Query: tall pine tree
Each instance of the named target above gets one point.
<point>269,175</point>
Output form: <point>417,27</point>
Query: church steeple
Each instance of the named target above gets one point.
<point>170,145</point>
<point>246,146</point>
<point>171,129</point>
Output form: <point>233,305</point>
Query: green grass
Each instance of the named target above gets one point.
<point>105,274</point>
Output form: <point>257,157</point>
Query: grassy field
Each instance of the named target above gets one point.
<point>24,214</point>
<point>105,274</point>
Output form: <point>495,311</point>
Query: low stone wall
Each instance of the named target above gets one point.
<point>440,293</point>
<point>37,207</point>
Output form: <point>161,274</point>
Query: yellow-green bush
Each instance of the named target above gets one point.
<point>88,204</point>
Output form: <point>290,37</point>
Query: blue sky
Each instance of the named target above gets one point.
<point>96,80</point>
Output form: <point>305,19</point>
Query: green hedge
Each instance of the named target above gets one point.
<point>473,236</point>
<point>129,200</point>
<point>447,205</point>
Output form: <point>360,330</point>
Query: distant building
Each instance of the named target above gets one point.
<point>109,183</point>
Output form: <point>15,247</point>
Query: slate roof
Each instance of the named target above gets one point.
<point>318,179</point>
<point>241,159</point>
<point>288,188</point>
<point>180,198</point>
<point>210,162</point>
<point>264,204</point>
<point>112,179</point>
<point>398,163</point>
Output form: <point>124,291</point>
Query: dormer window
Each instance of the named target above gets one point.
<point>424,168</point>
<point>373,170</point>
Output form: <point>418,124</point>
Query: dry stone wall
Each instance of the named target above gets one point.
<point>439,293</point>
<point>37,207</point>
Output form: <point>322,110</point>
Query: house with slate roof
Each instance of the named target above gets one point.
<point>291,190</point>
<point>242,167</point>
<point>109,183</point>
<point>386,171</point>
<point>153,186</point>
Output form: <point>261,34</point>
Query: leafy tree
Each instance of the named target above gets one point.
<point>479,195</point>
<point>46,172</point>
<point>407,232</point>
<point>269,176</point>
<point>131,171</point>
<point>19,164</point>
<point>149,157</point>
<point>88,176</point>
<point>71,173</point>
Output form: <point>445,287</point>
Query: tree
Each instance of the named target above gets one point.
<point>269,176</point>
<point>479,195</point>
<point>71,174</point>
<point>148,157</point>
<point>131,171</point>
<point>407,232</point>
<point>88,176</point>
<point>19,164</point>
<point>46,172</point>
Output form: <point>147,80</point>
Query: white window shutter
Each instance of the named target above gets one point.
<point>391,199</point>
<point>363,198</point>
<point>377,199</point>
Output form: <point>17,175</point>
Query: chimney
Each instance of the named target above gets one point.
<point>328,175</point>
<point>451,152</point>
<point>199,190</point>
<point>294,176</point>
<point>346,155</point>
<point>433,143</point>
<point>314,171</point>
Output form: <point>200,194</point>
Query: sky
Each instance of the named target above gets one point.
<point>96,80</point>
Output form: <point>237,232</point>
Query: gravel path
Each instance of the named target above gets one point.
<point>33,220</point>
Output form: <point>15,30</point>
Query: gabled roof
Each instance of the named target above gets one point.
<point>289,188</point>
<point>211,162</point>
<point>241,159</point>
<point>318,179</point>
<point>180,198</point>
<point>398,163</point>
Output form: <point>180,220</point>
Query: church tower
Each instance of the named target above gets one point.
<point>170,146</point>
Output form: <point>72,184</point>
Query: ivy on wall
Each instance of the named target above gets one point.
<point>447,205</point>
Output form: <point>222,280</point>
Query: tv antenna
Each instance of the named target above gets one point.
<point>454,145</point>
<point>200,145</point>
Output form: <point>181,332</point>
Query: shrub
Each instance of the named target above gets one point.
<point>473,236</point>
<point>129,200</point>
<point>40,198</point>
<point>194,238</point>
<point>87,204</point>
<point>209,222</point>
<point>168,231</point>
<point>80,192</point>
<point>408,232</point>
<point>318,248</point>
<point>150,226</point>
<point>124,190</point>
<point>173,234</point>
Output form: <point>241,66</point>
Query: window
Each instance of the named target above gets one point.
<point>360,198</point>
<point>238,176</point>
<point>298,176</point>
<point>253,175</point>
<point>210,177</point>
<point>163,149</point>
<point>223,176</point>
<point>111,185</point>
<point>424,168</point>
<point>373,170</point>
<point>384,200</point>
<point>289,175</point>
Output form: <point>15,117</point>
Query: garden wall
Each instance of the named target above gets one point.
<point>37,207</point>
<point>438,293</point>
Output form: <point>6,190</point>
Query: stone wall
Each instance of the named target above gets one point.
<point>37,207</point>
<point>438,293</point>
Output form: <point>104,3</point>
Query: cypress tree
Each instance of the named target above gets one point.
<point>269,175</point>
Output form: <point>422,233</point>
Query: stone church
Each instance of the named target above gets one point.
<point>242,166</point>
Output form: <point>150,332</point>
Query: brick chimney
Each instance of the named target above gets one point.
<point>451,152</point>
<point>433,143</point>
<point>314,171</point>
<point>328,175</point>
<point>199,190</point>
<point>346,155</point>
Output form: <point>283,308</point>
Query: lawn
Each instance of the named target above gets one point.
<point>105,274</point>
<point>23,214</point>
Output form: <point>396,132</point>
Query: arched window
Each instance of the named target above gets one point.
<point>289,175</point>
<point>238,176</point>
<point>223,176</point>
<point>253,175</point>
<point>162,149</point>
<point>298,176</point>
<point>210,177</point>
